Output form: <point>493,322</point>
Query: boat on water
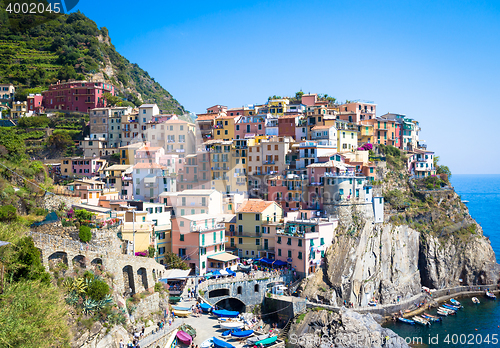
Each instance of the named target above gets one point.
<point>465,202</point>
<point>447,310</point>
<point>266,341</point>
<point>224,313</point>
<point>252,340</point>
<point>431,317</point>
<point>419,320</point>
<point>406,321</point>
<point>205,307</point>
<point>449,306</point>
<point>242,334</point>
<point>490,295</point>
<point>181,313</point>
<point>184,337</point>
<point>442,313</point>
<point>455,302</point>
<point>220,343</point>
<point>229,325</point>
<point>475,300</point>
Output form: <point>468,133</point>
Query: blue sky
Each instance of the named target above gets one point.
<point>437,62</point>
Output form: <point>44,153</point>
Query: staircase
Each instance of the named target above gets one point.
<point>284,333</point>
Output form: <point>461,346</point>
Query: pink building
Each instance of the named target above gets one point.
<point>250,126</point>
<point>303,242</point>
<point>200,241</point>
<point>88,167</point>
<point>309,99</point>
<point>76,95</point>
<point>35,103</point>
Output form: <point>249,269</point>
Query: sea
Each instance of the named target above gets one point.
<point>476,325</point>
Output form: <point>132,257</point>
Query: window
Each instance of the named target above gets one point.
<point>240,228</point>
<point>239,290</point>
<point>300,255</point>
<point>257,241</point>
<point>289,241</point>
<point>257,229</point>
<point>257,217</point>
<point>279,252</point>
<point>289,253</point>
<point>322,241</point>
<point>240,240</point>
<point>203,264</point>
<point>279,240</point>
<point>299,242</point>
<point>181,224</point>
<point>181,237</point>
<point>183,212</point>
<point>240,216</point>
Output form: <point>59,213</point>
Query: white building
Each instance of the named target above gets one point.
<point>191,202</point>
<point>150,180</point>
<point>146,113</point>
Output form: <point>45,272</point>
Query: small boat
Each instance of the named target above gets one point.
<point>449,306</point>
<point>244,268</point>
<point>231,325</point>
<point>419,320</point>
<point>188,329</point>
<point>181,308</point>
<point>174,299</point>
<point>220,343</point>
<point>242,334</point>
<point>224,313</point>
<point>447,310</point>
<point>172,340</point>
<point>181,313</point>
<point>267,341</point>
<point>406,321</point>
<point>184,337</point>
<point>490,295</point>
<point>251,341</point>
<point>205,307</point>
<point>207,343</point>
<point>465,202</point>
<point>475,300</point>
<point>228,332</point>
<point>430,317</point>
<point>455,302</point>
<point>442,313</point>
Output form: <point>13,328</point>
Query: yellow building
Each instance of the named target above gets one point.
<point>18,109</point>
<point>255,228</point>
<point>224,127</point>
<point>127,153</point>
<point>277,107</point>
<point>365,134</point>
<point>114,176</point>
<point>137,221</point>
<point>228,161</point>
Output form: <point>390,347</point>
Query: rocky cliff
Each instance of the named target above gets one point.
<point>344,329</point>
<point>428,238</point>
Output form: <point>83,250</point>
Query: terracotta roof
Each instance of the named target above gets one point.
<point>148,166</point>
<point>255,206</point>
<point>289,116</point>
<point>205,117</point>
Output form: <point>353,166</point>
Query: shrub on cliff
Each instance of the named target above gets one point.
<point>97,289</point>
<point>7,213</point>
<point>85,234</point>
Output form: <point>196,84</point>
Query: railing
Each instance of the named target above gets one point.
<point>207,228</point>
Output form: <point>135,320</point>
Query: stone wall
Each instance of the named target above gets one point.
<point>285,306</point>
<point>53,202</point>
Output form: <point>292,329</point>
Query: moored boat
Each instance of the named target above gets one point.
<point>442,313</point>
<point>490,295</point>
<point>231,325</point>
<point>188,329</point>
<point>172,340</point>
<point>419,320</point>
<point>455,302</point>
<point>205,307</point>
<point>242,334</point>
<point>224,313</point>
<point>430,317</point>
<point>220,343</point>
<point>184,337</point>
<point>267,341</point>
<point>228,332</point>
<point>475,300</point>
<point>181,313</point>
<point>207,343</point>
<point>447,310</point>
<point>406,321</point>
<point>251,341</point>
<point>449,306</point>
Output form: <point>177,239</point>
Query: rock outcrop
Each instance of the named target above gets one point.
<point>344,329</point>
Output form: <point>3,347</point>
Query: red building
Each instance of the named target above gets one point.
<point>76,95</point>
<point>35,103</point>
<point>287,125</point>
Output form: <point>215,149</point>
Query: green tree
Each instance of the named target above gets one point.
<point>85,234</point>
<point>441,169</point>
<point>82,215</point>
<point>26,263</point>
<point>174,261</point>
<point>97,289</point>
<point>111,100</point>
<point>13,143</point>
<point>8,213</point>
<point>60,141</point>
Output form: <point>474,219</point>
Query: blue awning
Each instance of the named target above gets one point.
<point>231,272</point>
<point>280,263</point>
<point>216,273</point>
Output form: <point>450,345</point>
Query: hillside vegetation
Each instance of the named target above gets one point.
<point>72,47</point>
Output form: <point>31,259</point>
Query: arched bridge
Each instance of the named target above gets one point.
<point>249,292</point>
<point>131,274</point>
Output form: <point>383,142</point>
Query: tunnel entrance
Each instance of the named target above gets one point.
<point>232,304</point>
<point>218,293</point>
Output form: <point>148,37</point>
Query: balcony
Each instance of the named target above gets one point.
<point>268,162</point>
<point>202,228</point>
<point>334,175</point>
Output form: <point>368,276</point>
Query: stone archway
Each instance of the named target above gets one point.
<point>231,304</point>
<point>79,261</point>
<point>58,259</point>
<point>97,264</point>
<point>128,280</point>
<point>142,276</point>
